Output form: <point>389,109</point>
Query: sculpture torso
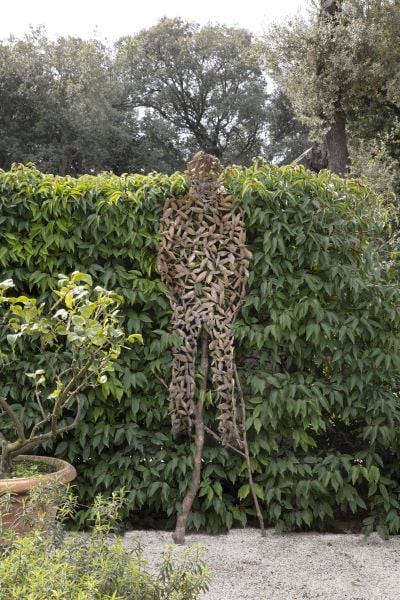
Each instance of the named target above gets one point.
<point>206,253</point>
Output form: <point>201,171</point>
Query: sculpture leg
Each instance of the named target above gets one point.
<point>222,368</point>
<point>182,386</point>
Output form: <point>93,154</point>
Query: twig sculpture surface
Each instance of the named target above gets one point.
<point>204,262</point>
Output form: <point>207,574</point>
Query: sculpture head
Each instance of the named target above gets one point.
<point>205,175</point>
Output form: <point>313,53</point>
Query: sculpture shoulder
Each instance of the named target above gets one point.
<point>225,200</point>
<point>175,206</point>
<point>232,210</point>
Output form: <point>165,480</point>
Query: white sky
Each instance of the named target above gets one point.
<point>111,19</point>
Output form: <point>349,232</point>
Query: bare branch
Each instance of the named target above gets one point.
<point>161,380</point>
<point>30,444</point>
<point>14,417</point>
<point>247,455</point>
<point>39,425</point>
<point>68,392</point>
<point>219,440</point>
<point>179,534</point>
<point>75,421</point>
<point>37,396</point>
<point>34,442</point>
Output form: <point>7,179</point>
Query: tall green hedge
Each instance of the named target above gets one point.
<point>318,346</point>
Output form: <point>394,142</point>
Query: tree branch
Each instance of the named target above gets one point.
<point>179,534</point>
<point>161,380</point>
<point>38,425</point>
<point>30,444</point>
<point>75,421</point>
<point>218,439</point>
<point>66,393</point>
<point>247,455</point>
<point>15,419</point>
<point>37,396</point>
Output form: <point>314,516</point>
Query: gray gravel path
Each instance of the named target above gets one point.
<point>292,566</point>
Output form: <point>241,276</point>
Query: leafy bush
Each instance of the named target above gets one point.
<point>81,324</point>
<point>96,566</point>
<point>317,346</point>
<point>93,568</point>
<point>323,323</point>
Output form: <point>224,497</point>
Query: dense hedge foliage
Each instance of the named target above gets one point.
<point>318,345</point>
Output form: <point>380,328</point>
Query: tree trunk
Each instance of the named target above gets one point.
<point>208,146</point>
<point>315,158</point>
<point>336,138</point>
<point>5,461</point>
<point>336,144</point>
<point>180,530</point>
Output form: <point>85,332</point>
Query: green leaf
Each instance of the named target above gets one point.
<point>153,488</point>
<point>243,492</point>
<point>197,519</point>
<point>12,338</point>
<point>69,300</point>
<point>135,337</point>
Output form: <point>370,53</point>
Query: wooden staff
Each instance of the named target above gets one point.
<point>180,529</point>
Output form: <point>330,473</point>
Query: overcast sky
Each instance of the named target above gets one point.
<point>114,18</point>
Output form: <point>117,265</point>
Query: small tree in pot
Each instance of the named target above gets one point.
<point>77,340</point>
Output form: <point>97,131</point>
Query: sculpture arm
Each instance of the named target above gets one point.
<point>168,258</point>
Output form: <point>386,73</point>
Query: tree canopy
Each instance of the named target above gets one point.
<point>150,100</point>
<point>342,62</point>
<point>205,81</point>
<point>74,106</point>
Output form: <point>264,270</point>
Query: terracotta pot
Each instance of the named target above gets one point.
<point>20,487</point>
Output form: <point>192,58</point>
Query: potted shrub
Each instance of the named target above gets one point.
<point>76,338</point>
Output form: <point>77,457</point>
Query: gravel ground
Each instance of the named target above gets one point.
<point>292,566</point>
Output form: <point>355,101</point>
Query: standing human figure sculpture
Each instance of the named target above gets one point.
<point>204,262</point>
